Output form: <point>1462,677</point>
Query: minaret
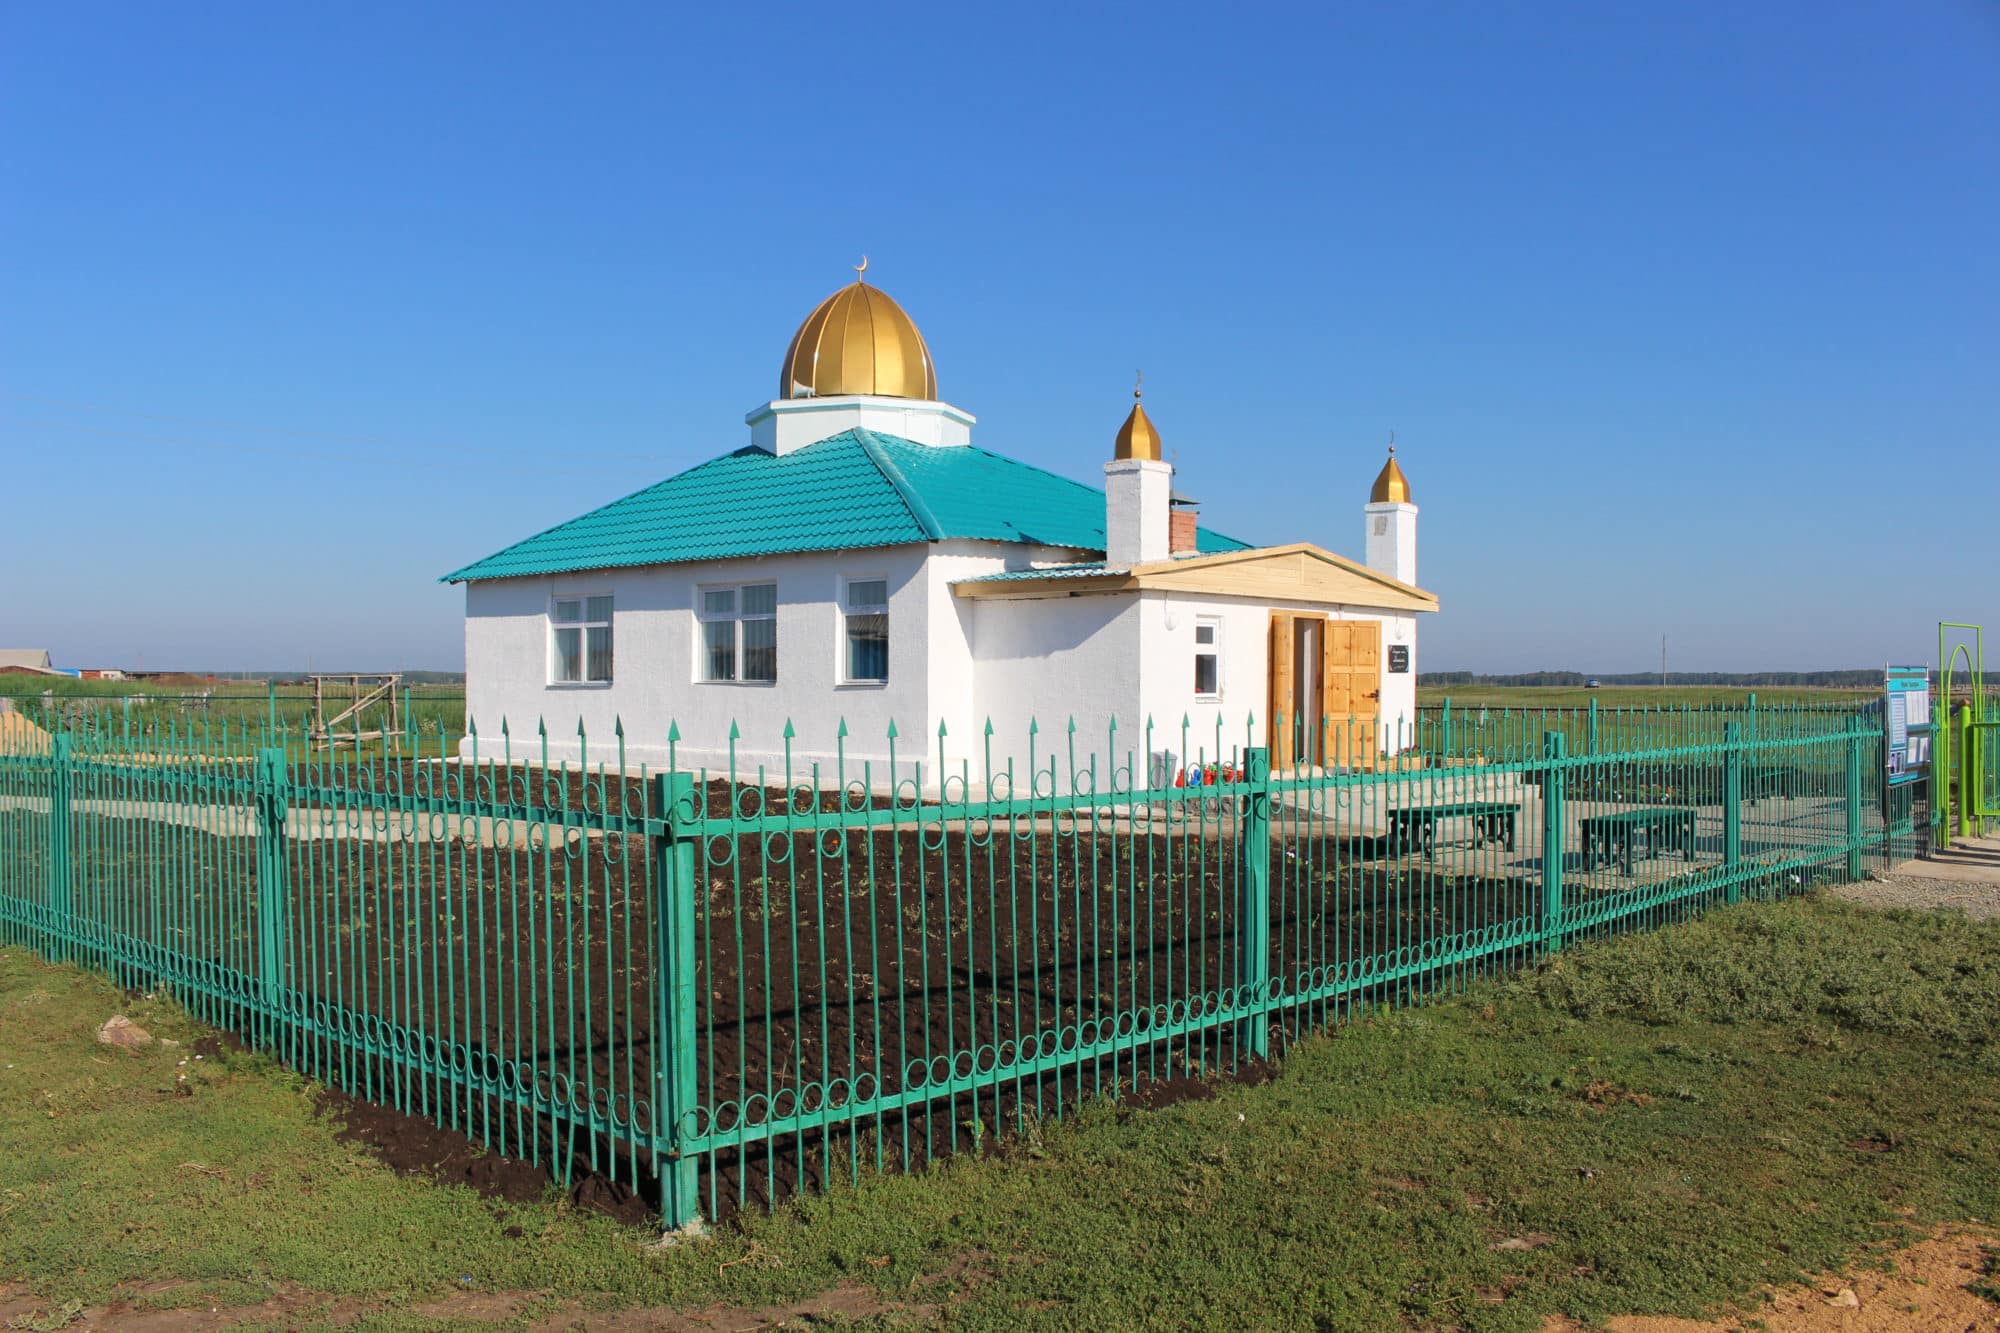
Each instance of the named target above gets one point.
<point>1392,524</point>
<point>1138,492</point>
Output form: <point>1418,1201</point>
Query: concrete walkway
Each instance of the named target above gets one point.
<point>1964,877</point>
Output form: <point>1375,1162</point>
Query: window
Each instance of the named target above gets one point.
<point>580,640</point>
<point>865,631</point>
<point>1207,658</point>
<point>739,633</point>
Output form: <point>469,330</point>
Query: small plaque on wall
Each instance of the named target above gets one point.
<point>1399,658</point>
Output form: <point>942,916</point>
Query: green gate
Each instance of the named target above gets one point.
<point>1965,767</point>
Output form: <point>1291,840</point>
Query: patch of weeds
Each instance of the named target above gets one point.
<point>1987,1285</point>
<point>49,1320</point>
<point>1820,967</point>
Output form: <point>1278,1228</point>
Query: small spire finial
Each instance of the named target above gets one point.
<point>861,269</point>
<point>1138,379</point>
<point>1392,444</point>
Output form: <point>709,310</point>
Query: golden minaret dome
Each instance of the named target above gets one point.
<point>858,340</point>
<point>1391,486</point>
<point>1137,438</point>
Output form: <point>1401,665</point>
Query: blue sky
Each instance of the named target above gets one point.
<point>1686,317</point>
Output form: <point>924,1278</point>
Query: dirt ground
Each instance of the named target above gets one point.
<point>138,1312</point>
<point>1964,877</point>
<point>1929,1286</point>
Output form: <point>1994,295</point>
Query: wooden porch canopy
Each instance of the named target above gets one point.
<point>1300,572</point>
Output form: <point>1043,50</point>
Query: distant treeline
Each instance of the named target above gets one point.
<point>1861,678</point>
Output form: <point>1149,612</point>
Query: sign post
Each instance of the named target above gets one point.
<point>1907,716</point>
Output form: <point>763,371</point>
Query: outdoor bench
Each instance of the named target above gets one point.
<point>1661,828</point>
<point>1417,825</point>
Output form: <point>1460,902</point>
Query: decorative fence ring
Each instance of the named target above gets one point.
<point>854,797</point>
<point>832,843</point>
<point>726,841</point>
<point>915,797</point>
<point>777,848</point>
<point>747,802</point>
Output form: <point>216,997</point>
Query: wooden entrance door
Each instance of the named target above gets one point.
<point>1337,725</point>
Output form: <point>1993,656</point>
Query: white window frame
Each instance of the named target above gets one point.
<point>1212,649</point>
<point>847,581</point>
<point>703,618</point>
<point>583,628</point>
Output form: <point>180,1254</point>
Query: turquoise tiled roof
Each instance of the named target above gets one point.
<point>858,488</point>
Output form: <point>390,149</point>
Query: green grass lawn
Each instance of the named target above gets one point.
<point>1656,1125</point>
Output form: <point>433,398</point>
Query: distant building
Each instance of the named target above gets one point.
<point>100,673</point>
<point>33,661</point>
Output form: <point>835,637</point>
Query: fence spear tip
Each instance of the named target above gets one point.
<point>673,733</point>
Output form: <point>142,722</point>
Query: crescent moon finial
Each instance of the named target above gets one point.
<point>861,270</point>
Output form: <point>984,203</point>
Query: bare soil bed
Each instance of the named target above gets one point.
<point>913,962</point>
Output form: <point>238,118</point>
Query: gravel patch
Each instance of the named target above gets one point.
<point>1979,901</point>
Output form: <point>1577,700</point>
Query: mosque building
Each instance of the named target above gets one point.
<point>862,562</point>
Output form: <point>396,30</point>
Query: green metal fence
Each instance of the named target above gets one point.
<point>728,985</point>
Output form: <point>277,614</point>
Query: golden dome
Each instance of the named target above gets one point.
<point>858,341</point>
<point>1391,486</point>
<point>1137,438</point>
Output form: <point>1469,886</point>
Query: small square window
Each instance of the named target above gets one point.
<point>580,640</point>
<point>739,633</point>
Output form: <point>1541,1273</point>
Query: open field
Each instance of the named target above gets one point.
<point>1661,1124</point>
<point>1633,696</point>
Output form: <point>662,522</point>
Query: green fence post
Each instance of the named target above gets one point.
<point>1593,728</point>
<point>1444,728</point>
<point>271,798</point>
<point>62,924</point>
<point>1732,809</point>
<point>1253,971</point>
<point>1553,837</point>
<point>676,809</point>
<point>1854,740</point>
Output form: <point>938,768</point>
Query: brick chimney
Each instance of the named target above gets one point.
<point>1182,519</point>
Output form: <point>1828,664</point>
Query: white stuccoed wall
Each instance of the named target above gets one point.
<point>1137,495</point>
<point>655,685</point>
<point>932,675</point>
<point>1050,661</point>
<point>1167,688</point>
<point>1391,531</point>
<point>786,424</point>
